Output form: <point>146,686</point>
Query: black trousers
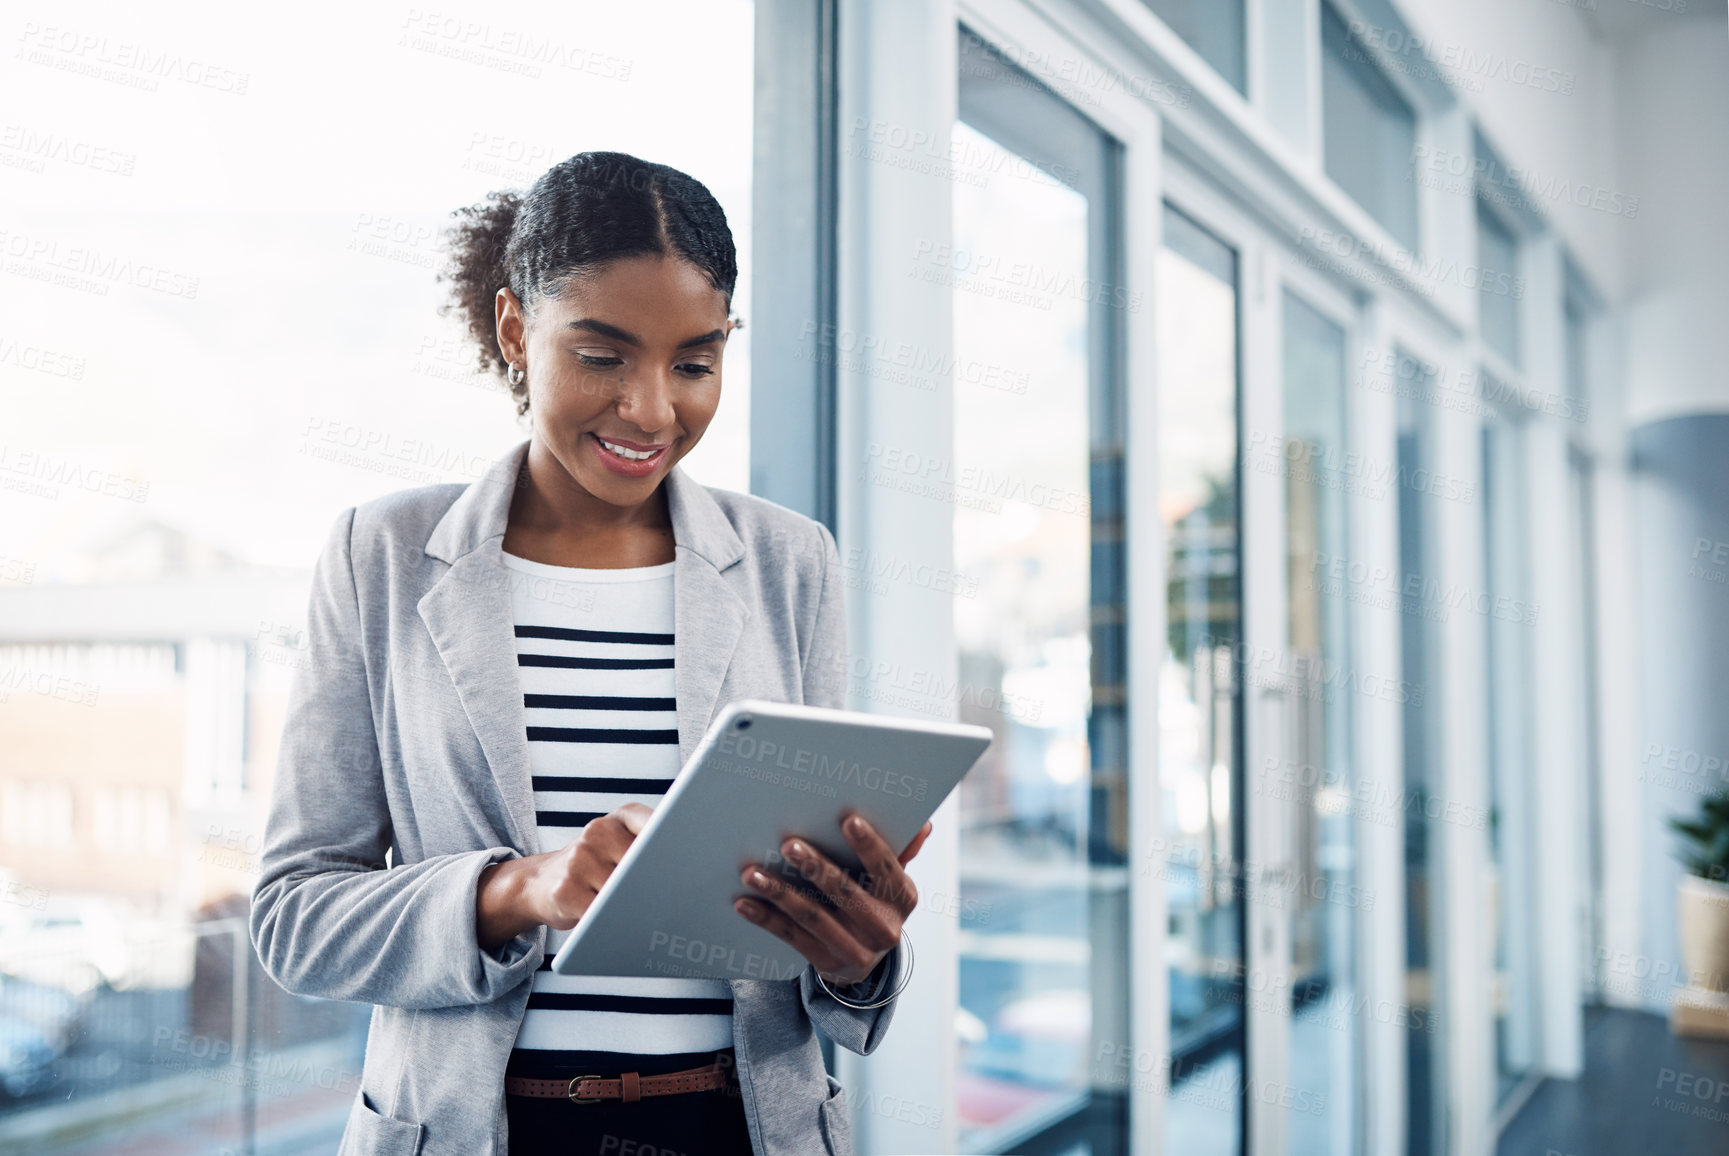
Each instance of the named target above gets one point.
<point>683,1124</point>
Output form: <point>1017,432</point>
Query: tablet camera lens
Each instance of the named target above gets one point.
<point>744,724</point>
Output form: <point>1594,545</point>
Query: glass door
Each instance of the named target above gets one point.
<point>1200,691</point>
<point>1414,383</point>
<point>1509,629</point>
<point>1039,616</point>
<point>1259,478</point>
<point>1324,578</point>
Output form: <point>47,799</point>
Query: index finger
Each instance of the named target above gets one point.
<point>634,816</point>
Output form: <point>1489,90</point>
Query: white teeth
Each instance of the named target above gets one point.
<point>627,455</point>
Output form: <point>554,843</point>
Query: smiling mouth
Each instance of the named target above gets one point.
<point>626,453</point>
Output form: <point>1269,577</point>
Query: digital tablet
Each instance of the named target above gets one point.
<point>764,771</point>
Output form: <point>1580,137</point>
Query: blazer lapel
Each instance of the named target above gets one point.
<point>468,612</point>
<point>708,615</point>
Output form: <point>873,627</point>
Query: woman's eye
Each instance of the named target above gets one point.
<point>599,362</point>
<point>696,369</point>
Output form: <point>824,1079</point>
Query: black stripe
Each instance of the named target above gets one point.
<point>571,634</point>
<point>601,783</point>
<point>599,735</point>
<point>564,1064</point>
<point>598,702</point>
<point>566,818</point>
<point>594,663</point>
<point>639,1004</point>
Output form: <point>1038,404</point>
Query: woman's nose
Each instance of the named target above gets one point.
<point>646,401</point>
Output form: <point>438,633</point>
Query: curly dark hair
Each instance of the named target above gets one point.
<point>580,214</point>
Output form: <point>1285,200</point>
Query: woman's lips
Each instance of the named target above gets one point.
<point>625,466</point>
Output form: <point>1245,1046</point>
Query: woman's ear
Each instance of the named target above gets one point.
<point>507,315</point>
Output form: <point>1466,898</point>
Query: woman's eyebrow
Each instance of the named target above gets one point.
<point>629,338</point>
<point>711,335</point>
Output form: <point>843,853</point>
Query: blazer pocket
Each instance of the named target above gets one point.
<point>369,1133</point>
<point>836,1128</point>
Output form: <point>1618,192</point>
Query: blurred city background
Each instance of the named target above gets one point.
<point>1298,428</point>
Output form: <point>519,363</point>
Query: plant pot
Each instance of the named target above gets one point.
<point>1702,915</point>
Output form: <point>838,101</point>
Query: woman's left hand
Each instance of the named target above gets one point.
<point>849,935</point>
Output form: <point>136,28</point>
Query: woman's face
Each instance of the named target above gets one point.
<point>622,363</point>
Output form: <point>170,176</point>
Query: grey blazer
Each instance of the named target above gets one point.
<point>406,734</point>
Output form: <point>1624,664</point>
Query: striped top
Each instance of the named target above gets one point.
<point>595,658</point>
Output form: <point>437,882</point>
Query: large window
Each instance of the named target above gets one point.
<point>222,329</point>
<point>1039,613</point>
<point>1324,1047</point>
<point>1414,383</point>
<point>1499,283</point>
<point>1509,625</point>
<point>1213,28</point>
<point>1369,130</point>
<point>1200,695</point>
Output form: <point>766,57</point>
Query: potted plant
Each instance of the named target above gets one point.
<point>1702,905</point>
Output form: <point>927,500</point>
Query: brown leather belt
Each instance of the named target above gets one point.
<point>628,1086</point>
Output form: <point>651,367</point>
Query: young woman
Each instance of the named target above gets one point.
<point>501,679</point>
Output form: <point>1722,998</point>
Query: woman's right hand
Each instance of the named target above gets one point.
<point>554,887</point>
<point>572,876</point>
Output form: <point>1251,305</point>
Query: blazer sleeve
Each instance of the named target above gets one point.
<point>328,918</point>
<point>825,671</point>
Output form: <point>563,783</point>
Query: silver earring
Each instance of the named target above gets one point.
<point>515,374</point>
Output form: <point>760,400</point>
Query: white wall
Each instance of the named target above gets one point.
<point>1676,150</point>
<point>1649,87</point>
<point>1557,136</point>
